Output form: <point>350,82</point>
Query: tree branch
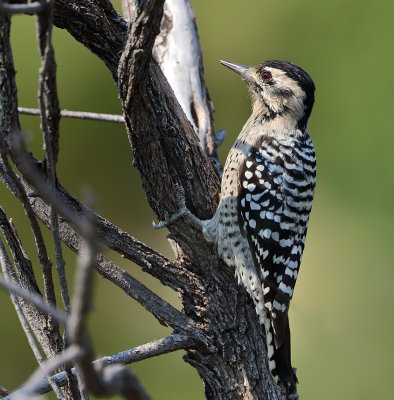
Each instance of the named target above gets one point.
<point>77,114</point>
<point>77,326</point>
<point>141,34</point>
<point>8,272</point>
<point>158,347</point>
<point>33,299</point>
<point>50,119</point>
<point>31,387</point>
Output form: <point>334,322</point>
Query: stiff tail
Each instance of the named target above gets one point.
<point>279,355</point>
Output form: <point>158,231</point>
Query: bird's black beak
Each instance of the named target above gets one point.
<point>243,70</point>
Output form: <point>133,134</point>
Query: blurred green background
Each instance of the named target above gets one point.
<point>342,319</point>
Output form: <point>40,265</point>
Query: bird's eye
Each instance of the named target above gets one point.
<point>266,75</point>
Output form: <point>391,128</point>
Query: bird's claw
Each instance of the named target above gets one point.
<point>182,210</point>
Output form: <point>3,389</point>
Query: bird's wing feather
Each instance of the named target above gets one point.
<point>272,234</point>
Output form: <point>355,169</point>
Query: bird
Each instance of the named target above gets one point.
<point>266,197</point>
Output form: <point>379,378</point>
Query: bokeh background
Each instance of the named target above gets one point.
<point>342,314</point>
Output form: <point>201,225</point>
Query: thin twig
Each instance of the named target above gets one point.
<point>50,117</point>
<point>32,386</point>
<point>156,348</point>
<point>34,299</point>
<point>152,349</point>
<point>78,115</point>
<point>30,8</point>
<point>77,326</point>
<point>7,268</point>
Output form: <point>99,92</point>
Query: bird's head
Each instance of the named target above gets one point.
<point>278,88</point>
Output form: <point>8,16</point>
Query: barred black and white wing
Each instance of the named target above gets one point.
<point>276,192</point>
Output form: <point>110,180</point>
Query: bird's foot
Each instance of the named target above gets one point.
<point>183,211</point>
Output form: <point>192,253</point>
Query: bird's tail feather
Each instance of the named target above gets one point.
<point>279,357</point>
<point>282,357</point>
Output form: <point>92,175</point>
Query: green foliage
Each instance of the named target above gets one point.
<point>341,317</point>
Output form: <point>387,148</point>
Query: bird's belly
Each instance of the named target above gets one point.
<point>233,245</point>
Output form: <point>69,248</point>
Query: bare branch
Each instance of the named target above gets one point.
<point>48,99</point>
<point>34,299</point>
<point>7,271</point>
<point>78,115</point>
<point>158,347</point>
<point>162,346</point>
<point>76,328</point>
<point>38,320</point>
<point>23,265</point>
<point>50,118</point>
<point>161,309</point>
<point>158,307</point>
<point>44,326</point>
<point>32,386</point>
<point>141,34</point>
